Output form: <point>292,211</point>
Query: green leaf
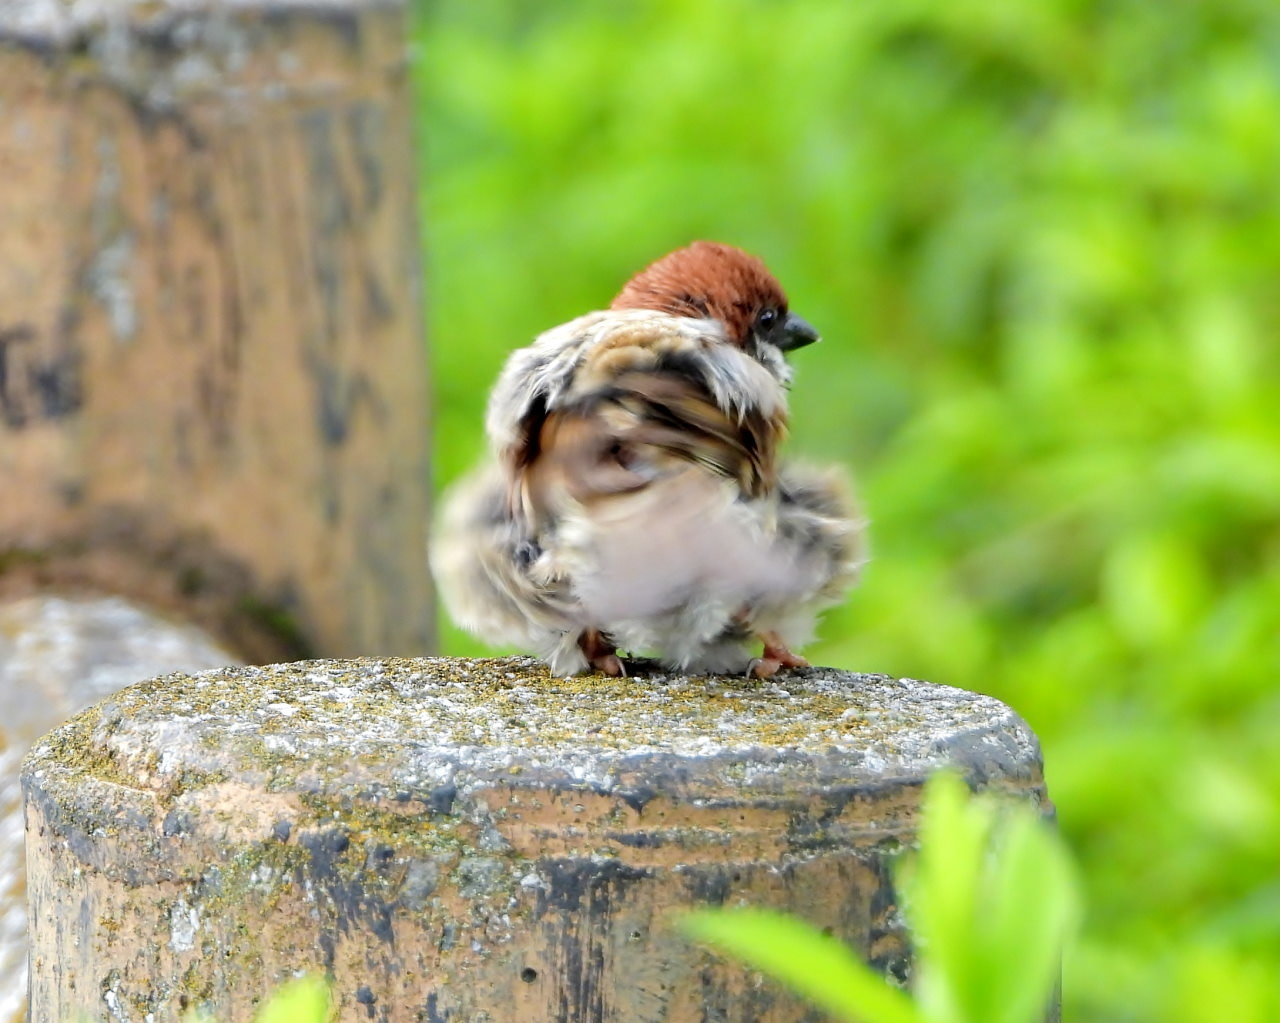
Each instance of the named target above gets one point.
<point>1031,905</point>
<point>814,964</point>
<point>305,1000</point>
<point>942,896</point>
<point>990,898</point>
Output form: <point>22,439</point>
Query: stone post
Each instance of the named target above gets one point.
<point>212,384</point>
<point>470,841</point>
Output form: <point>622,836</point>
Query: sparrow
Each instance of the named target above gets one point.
<point>634,497</point>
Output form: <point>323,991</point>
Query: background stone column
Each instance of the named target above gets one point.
<point>213,403</point>
<point>473,840</point>
<point>212,382</point>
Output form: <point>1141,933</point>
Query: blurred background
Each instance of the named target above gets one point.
<point>1042,241</point>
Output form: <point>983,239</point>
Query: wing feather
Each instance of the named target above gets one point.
<point>613,401</point>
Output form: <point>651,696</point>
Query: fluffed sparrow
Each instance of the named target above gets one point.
<point>634,497</point>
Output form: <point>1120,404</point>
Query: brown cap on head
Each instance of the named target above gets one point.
<point>707,279</point>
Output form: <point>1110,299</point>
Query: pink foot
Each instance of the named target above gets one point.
<point>600,653</point>
<point>776,651</point>
<point>764,667</point>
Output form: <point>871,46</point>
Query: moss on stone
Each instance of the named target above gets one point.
<point>399,754</point>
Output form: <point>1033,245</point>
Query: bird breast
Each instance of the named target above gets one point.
<point>686,542</point>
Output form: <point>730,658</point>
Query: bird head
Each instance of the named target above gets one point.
<point>708,280</point>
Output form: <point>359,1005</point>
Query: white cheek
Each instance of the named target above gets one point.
<point>772,359</point>
<point>745,383</point>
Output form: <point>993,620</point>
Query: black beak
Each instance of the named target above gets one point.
<point>796,332</point>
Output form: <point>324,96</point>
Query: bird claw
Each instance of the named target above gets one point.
<point>776,650</point>
<point>601,655</point>
<point>785,657</point>
<point>609,664</point>
<point>763,667</point>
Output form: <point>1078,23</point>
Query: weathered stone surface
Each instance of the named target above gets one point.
<point>474,840</point>
<point>58,655</point>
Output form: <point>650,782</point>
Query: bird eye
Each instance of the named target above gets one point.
<point>766,319</point>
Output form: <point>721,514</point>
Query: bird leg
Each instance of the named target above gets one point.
<point>601,654</point>
<point>775,657</point>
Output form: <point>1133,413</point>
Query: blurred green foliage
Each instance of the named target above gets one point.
<point>1043,243</point>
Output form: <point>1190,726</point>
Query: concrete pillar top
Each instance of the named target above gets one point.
<point>435,733</point>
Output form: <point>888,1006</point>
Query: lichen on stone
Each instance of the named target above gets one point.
<point>407,754</point>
